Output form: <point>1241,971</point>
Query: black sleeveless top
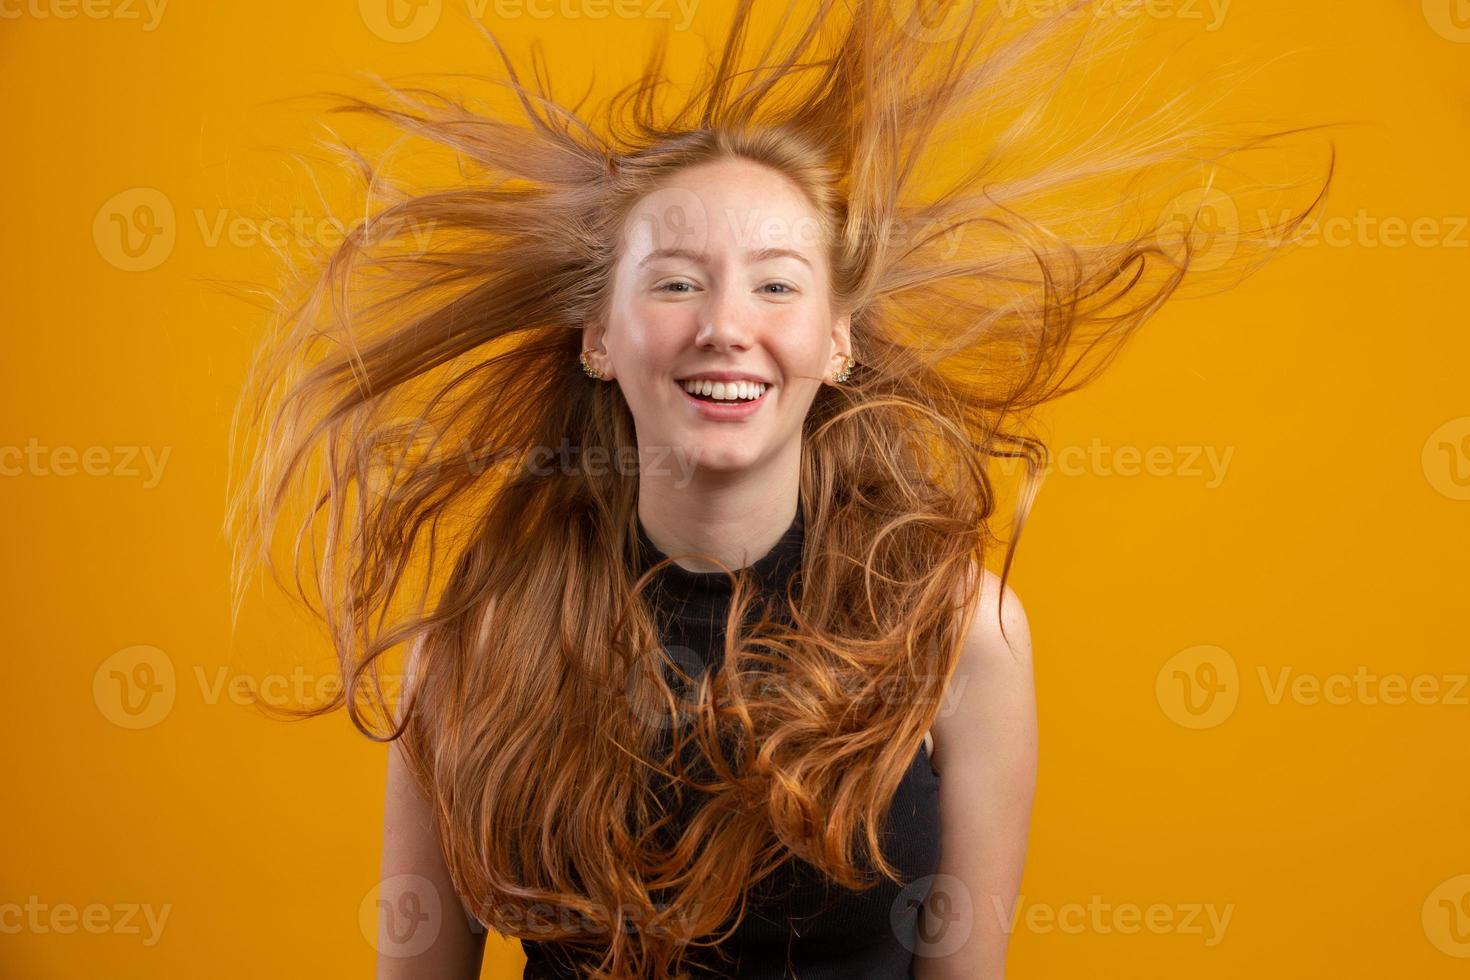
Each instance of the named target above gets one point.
<point>796,924</point>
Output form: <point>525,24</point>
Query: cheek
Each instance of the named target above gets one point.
<point>800,342</point>
<point>660,347</point>
<point>652,345</point>
<point>651,334</point>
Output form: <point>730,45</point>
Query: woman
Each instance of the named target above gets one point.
<point>697,404</point>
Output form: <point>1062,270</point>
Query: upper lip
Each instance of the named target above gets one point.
<point>724,376</point>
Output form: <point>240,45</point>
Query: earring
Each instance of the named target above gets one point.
<point>591,371</point>
<point>847,363</point>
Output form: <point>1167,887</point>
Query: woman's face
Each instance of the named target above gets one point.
<point>723,270</point>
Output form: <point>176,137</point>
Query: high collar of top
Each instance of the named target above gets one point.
<point>770,570</point>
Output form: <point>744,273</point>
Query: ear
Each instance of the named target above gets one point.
<point>841,344</point>
<point>593,333</point>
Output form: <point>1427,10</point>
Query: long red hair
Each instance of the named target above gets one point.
<point>409,384</point>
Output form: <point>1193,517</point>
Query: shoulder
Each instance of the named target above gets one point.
<point>996,625</point>
<point>989,695</point>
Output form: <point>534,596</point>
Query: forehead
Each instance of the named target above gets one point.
<point>733,206</point>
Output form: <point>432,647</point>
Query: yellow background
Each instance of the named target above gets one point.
<point>1328,540</point>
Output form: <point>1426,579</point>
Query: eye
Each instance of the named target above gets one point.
<point>785,287</point>
<point>666,287</point>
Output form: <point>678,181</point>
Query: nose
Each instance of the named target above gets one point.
<point>723,320</point>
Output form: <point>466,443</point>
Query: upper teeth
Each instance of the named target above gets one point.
<point>725,390</point>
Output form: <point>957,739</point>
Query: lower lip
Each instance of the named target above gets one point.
<point>725,411</point>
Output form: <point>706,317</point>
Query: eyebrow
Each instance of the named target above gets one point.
<point>755,255</point>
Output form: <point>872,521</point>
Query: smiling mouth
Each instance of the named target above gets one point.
<point>710,399</point>
<point>727,409</point>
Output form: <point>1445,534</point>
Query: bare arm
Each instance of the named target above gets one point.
<point>986,757</point>
<point>423,930</point>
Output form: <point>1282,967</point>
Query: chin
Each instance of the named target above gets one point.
<point>721,458</point>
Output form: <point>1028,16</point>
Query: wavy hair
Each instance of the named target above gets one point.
<point>994,254</point>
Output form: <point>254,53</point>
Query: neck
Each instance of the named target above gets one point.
<point>736,522</point>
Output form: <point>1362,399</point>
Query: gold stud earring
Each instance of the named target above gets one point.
<point>591,371</point>
<point>842,375</point>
